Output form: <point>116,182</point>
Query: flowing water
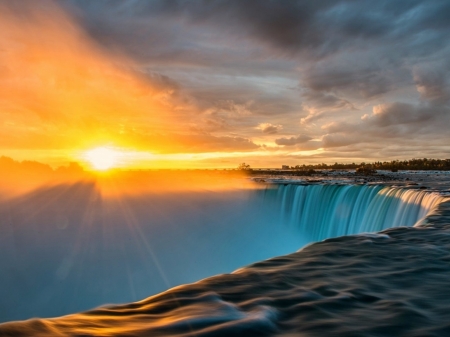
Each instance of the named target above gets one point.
<point>70,249</point>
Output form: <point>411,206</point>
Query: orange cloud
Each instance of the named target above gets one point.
<point>59,90</point>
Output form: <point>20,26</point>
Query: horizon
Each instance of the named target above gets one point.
<point>90,168</point>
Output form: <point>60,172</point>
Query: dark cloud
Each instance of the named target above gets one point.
<point>432,83</point>
<point>292,140</point>
<point>124,25</point>
<point>402,113</point>
<point>434,15</point>
<point>347,50</point>
<point>366,81</point>
<point>317,28</point>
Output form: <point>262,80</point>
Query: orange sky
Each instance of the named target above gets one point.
<point>74,77</point>
<point>61,95</point>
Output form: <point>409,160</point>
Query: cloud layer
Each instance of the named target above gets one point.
<point>349,79</point>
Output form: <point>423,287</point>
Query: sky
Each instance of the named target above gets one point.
<point>211,84</point>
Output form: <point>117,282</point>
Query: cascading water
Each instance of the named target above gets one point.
<point>82,250</point>
<point>324,211</point>
<point>351,279</point>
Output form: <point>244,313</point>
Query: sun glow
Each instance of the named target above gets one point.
<point>103,158</point>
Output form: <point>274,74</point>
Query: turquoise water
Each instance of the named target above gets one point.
<point>68,248</point>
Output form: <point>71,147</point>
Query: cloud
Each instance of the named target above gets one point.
<point>193,142</point>
<point>400,113</point>
<point>336,127</point>
<point>152,73</point>
<point>354,79</point>
<point>269,128</point>
<point>292,140</point>
<point>408,125</point>
<point>317,29</point>
<point>432,83</point>
<point>62,90</point>
<point>320,100</point>
<point>338,140</point>
<point>319,104</point>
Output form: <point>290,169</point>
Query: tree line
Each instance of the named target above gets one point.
<point>394,165</point>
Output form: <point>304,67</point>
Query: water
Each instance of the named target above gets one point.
<point>325,211</point>
<point>69,248</point>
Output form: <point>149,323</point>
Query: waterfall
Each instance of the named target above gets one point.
<point>68,249</point>
<point>324,211</point>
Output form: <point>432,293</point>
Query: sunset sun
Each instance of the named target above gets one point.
<point>103,158</point>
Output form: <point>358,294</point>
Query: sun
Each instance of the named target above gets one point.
<point>103,158</point>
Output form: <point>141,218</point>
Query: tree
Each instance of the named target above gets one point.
<point>243,166</point>
<point>366,170</point>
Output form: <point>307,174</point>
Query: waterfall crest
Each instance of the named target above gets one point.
<point>324,211</point>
